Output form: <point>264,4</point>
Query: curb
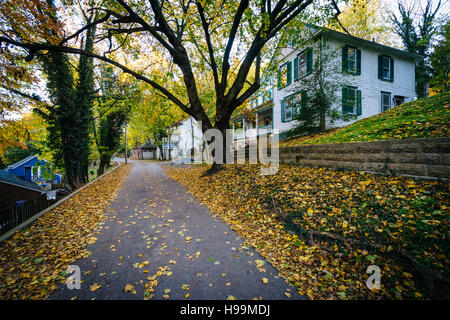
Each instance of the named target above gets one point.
<point>26,223</point>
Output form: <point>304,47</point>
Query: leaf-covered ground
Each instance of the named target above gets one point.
<point>424,118</point>
<point>322,229</point>
<point>158,242</point>
<point>35,259</point>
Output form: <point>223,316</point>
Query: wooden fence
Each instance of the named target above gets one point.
<point>14,215</point>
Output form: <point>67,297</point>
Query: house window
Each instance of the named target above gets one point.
<point>303,64</point>
<point>239,129</point>
<point>285,75</point>
<point>398,100</point>
<point>385,101</point>
<point>291,105</point>
<point>385,68</point>
<point>269,94</point>
<point>287,109</point>
<point>265,118</point>
<point>351,101</point>
<point>351,60</point>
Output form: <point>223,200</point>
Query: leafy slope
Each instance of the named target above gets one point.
<point>360,209</point>
<point>424,118</point>
<point>35,259</point>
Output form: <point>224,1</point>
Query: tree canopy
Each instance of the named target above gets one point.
<point>223,40</point>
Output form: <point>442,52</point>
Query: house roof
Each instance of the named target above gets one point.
<point>148,145</point>
<point>21,162</point>
<point>11,179</point>
<point>366,43</point>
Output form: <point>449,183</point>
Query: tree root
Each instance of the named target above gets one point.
<point>215,168</point>
<point>431,277</point>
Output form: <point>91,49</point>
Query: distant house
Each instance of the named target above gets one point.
<point>15,190</point>
<point>33,169</point>
<point>147,151</point>
<point>186,137</point>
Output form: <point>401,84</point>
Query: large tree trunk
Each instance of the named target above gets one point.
<point>323,125</point>
<point>104,162</point>
<point>219,164</point>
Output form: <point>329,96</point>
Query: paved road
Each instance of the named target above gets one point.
<point>155,219</point>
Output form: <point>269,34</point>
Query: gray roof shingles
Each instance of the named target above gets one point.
<point>9,178</point>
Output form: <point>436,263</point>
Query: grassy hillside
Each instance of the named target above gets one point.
<point>423,118</point>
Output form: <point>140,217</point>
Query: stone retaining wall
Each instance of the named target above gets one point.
<point>424,158</point>
<point>418,158</point>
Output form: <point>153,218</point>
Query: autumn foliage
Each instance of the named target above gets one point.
<point>323,228</point>
<point>34,261</point>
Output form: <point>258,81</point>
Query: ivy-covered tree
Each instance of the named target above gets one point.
<point>113,107</point>
<point>69,117</point>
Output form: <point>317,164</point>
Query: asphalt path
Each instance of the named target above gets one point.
<point>153,225</point>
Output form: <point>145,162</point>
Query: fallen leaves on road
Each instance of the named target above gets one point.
<point>359,210</point>
<point>34,261</point>
<point>95,287</point>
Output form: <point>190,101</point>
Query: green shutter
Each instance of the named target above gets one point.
<point>296,68</point>
<point>392,69</point>
<point>358,103</point>
<point>309,60</point>
<point>279,78</point>
<point>380,67</point>
<point>282,111</point>
<point>304,99</point>
<point>289,73</point>
<point>358,62</point>
<point>344,99</point>
<point>345,58</point>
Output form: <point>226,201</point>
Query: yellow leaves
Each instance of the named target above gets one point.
<point>91,240</point>
<point>265,280</point>
<point>172,262</point>
<point>304,258</point>
<point>185,286</point>
<point>350,205</point>
<point>364,184</point>
<point>144,263</point>
<point>407,275</point>
<point>129,288</point>
<point>95,287</point>
<point>58,238</point>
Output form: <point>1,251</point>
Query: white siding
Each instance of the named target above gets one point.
<point>368,82</point>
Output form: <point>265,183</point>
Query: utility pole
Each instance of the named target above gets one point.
<point>126,153</point>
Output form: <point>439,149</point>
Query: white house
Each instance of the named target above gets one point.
<point>185,136</point>
<point>380,77</point>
